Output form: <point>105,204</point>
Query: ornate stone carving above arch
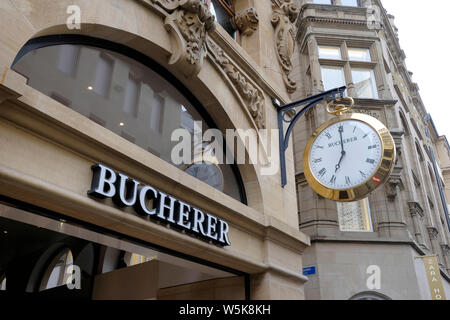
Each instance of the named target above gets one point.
<point>285,14</point>
<point>247,21</point>
<point>251,96</point>
<point>189,22</point>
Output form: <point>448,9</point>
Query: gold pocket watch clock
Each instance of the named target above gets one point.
<point>350,156</point>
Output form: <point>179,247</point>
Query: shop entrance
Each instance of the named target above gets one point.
<point>47,257</point>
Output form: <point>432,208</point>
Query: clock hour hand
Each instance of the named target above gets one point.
<point>338,166</point>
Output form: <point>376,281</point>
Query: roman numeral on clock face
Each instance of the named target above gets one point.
<point>317,160</point>
<point>348,181</point>
<point>328,135</point>
<point>371,161</point>
<point>333,180</point>
<point>322,172</point>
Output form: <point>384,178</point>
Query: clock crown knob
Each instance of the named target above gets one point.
<point>340,106</point>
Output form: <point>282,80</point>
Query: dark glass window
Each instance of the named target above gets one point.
<point>126,97</point>
<point>223,10</point>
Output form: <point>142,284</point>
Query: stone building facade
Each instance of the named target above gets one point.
<point>355,43</point>
<point>89,92</point>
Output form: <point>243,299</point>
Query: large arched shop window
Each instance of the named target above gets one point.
<point>370,295</point>
<point>57,274</point>
<point>127,93</point>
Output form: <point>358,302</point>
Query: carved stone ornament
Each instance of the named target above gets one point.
<point>189,22</point>
<point>285,14</point>
<point>247,21</point>
<point>391,187</point>
<point>252,97</point>
<point>433,233</point>
<point>445,249</point>
<point>415,209</point>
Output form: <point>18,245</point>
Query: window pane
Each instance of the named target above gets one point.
<point>357,54</point>
<point>223,17</point>
<point>131,99</point>
<point>330,53</point>
<point>333,77</point>
<point>103,74</point>
<point>364,81</point>
<point>354,216</point>
<point>350,3</point>
<point>68,59</point>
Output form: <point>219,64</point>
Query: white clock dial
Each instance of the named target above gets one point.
<point>345,155</point>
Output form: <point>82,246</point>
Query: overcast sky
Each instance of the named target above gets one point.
<point>424,32</point>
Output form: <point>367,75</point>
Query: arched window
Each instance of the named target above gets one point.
<point>129,94</point>
<point>224,12</point>
<point>3,282</point>
<point>419,152</point>
<point>431,172</point>
<point>404,124</point>
<point>56,274</point>
<point>370,295</point>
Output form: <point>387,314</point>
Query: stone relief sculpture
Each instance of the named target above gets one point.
<point>247,21</point>
<point>252,97</point>
<point>285,14</point>
<point>189,22</point>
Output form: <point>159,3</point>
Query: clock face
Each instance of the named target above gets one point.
<point>345,154</point>
<point>207,172</point>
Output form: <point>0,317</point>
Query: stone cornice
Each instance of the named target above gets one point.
<point>374,102</point>
<point>306,19</point>
<point>333,8</point>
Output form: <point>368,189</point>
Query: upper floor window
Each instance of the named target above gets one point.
<point>349,3</point>
<point>223,11</point>
<point>332,77</point>
<point>129,98</point>
<point>342,65</point>
<point>326,52</point>
<point>359,54</point>
<point>364,81</point>
<point>355,216</point>
<point>323,1</point>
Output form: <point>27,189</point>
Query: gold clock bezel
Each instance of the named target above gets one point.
<point>378,179</point>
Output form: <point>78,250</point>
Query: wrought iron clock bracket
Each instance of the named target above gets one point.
<point>289,114</point>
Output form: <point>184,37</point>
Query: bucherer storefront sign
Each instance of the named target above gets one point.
<point>149,201</point>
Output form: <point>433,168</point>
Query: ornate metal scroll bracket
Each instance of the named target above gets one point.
<point>288,114</point>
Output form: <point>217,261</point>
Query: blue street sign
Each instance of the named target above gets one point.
<point>308,271</point>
